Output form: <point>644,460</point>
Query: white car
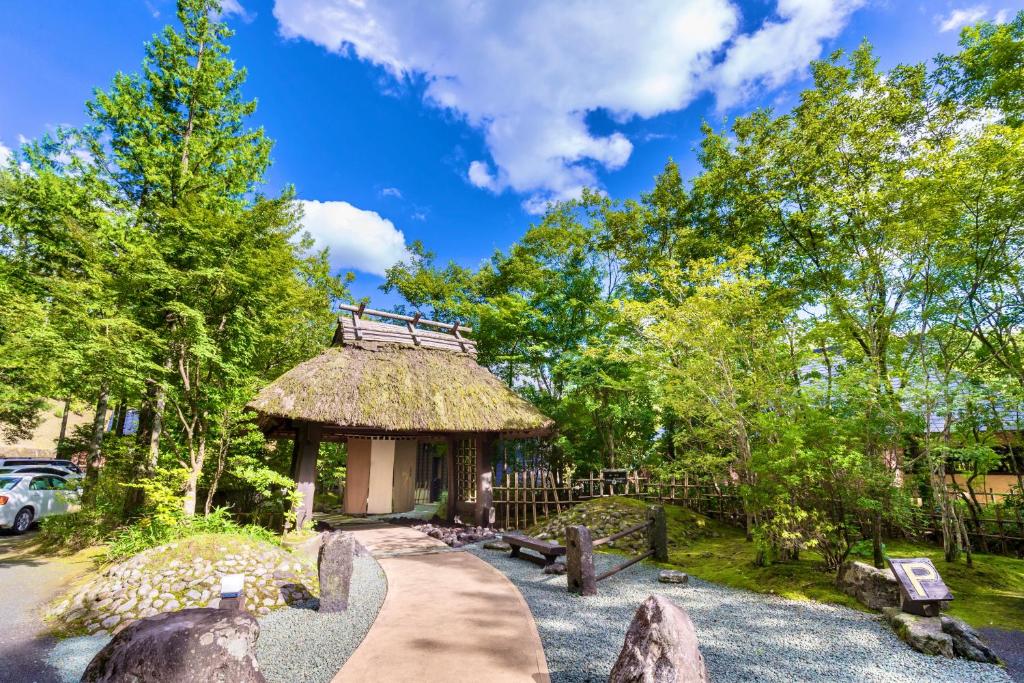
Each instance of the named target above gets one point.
<point>25,499</point>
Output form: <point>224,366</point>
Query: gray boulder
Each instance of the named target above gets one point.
<point>334,565</point>
<point>874,588</point>
<point>661,647</point>
<point>967,644</point>
<point>201,644</point>
<point>673,576</point>
<point>497,545</point>
<point>924,634</point>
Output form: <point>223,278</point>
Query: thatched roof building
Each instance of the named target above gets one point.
<point>384,388</point>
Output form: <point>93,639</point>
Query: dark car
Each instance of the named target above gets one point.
<point>19,462</point>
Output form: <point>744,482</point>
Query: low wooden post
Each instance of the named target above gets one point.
<point>658,532</point>
<point>579,561</point>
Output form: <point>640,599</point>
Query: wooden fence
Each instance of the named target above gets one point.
<point>579,551</point>
<point>525,497</point>
<point>988,534</point>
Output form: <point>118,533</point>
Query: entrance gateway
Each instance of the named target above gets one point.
<point>388,387</point>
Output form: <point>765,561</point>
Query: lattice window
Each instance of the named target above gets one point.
<point>465,468</point>
<point>431,473</point>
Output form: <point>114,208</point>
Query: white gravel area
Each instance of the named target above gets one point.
<point>304,646</point>
<point>744,636</point>
<point>296,645</point>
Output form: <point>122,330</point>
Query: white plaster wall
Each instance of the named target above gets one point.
<point>382,477</point>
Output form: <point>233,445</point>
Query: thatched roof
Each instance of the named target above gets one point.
<point>395,387</point>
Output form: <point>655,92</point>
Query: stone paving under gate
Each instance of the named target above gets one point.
<point>448,617</point>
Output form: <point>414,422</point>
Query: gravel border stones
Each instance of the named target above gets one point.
<point>744,636</point>
<point>149,583</point>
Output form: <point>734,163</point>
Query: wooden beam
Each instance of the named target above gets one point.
<point>355,323</point>
<point>412,329</point>
<point>457,335</point>
<point>362,309</point>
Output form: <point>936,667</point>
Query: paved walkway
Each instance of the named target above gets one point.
<point>27,582</point>
<point>448,617</point>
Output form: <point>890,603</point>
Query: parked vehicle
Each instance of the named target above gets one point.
<point>18,462</point>
<point>41,469</point>
<point>25,499</point>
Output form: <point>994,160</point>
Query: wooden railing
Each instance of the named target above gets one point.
<point>579,551</point>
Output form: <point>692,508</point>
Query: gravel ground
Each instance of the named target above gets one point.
<point>744,636</point>
<point>296,645</point>
<point>302,645</point>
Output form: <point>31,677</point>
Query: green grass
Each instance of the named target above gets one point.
<point>989,594</point>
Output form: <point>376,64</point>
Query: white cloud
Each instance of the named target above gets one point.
<point>1002,16</point>
<point>528,73</point>
<point>961,17</point>
<point>5,153</point>
<point>234,7</point>
<point>781,48</point>
<point>357,239</point>
<point>391,192</point>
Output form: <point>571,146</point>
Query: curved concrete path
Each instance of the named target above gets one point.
<point>448,617</point>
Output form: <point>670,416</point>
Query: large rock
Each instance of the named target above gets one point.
<point>661,647</point>
<point>924,634</point>
<point>874,588</point>
<point>967,644</point>
<point>201,644</point>
<point>335,567</point>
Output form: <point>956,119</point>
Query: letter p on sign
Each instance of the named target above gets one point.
<point>918,572</point>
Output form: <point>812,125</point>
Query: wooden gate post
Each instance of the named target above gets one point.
<point>657,532</point>
<point>579,561</point>
<point>484,481</point>
<point>307,446</point>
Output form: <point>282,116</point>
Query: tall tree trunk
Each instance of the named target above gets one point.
<point>876,540</point>
<point>122,415</point>
<point>99,421</point>
<point>976,510</point>
<point>155,430</point>
<point>198,458</point>
<point>64,425</point>
<point>222,451</point>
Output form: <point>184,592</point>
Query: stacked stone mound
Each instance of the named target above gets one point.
<point>603,519</point>
<point>174,577</point>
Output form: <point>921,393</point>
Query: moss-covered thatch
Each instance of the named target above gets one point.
<point>393,388</point>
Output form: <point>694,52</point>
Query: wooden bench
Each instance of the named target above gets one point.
<point>549,551</point>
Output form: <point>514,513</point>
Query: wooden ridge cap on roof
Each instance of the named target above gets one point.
<point>355,330</point>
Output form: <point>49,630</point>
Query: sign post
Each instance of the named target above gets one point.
<point>921,587</point>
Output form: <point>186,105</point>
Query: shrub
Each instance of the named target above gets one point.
<point>155,530</point>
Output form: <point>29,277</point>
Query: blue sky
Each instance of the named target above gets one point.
<point>454,121</point>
